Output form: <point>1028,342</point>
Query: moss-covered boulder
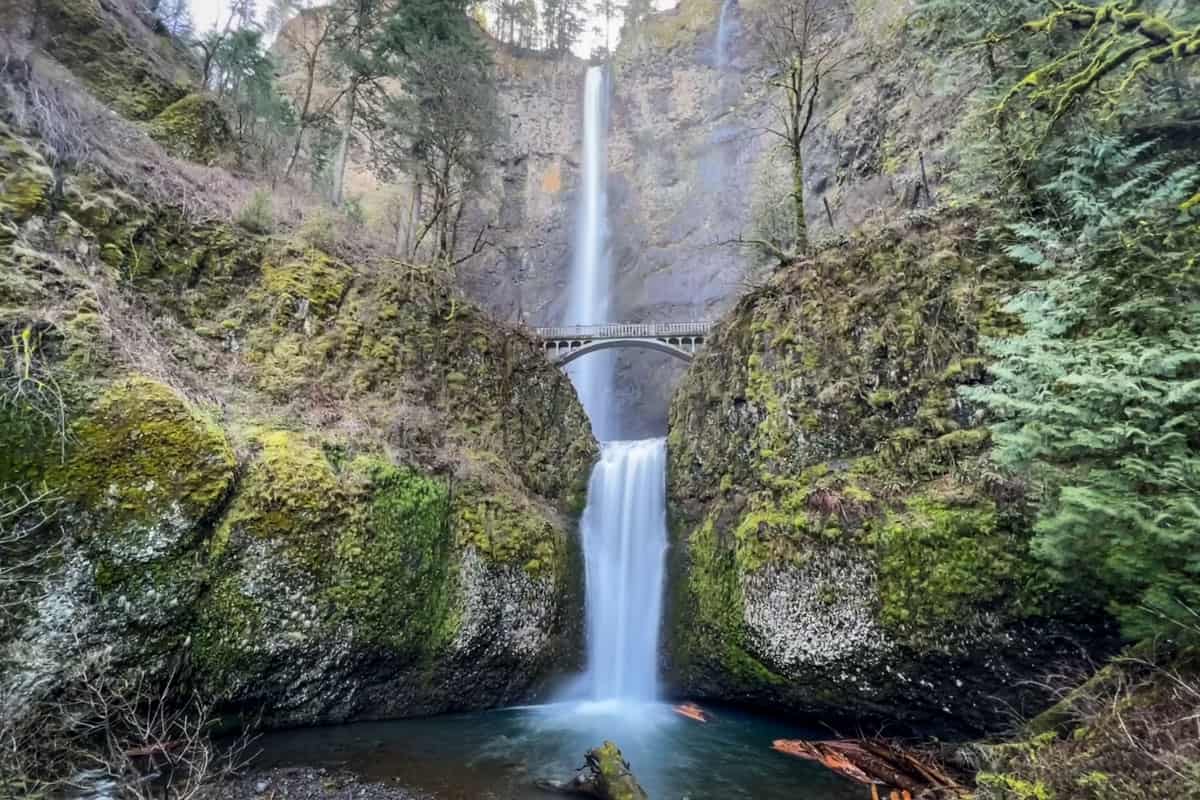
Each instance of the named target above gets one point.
<point>193,128</point>
<point>363,510</point>
<point>352,589</point>
<point>128,494</point>
<point>841,544</point>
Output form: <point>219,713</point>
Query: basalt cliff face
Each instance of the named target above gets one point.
<point>691,167</point>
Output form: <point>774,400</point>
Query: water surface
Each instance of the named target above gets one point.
<point>498,755</point>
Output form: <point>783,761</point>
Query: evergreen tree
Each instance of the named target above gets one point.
<point>1097,398</point>
<point>563,21</point>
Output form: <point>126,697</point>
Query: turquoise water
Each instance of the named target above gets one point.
<point>499,755</point>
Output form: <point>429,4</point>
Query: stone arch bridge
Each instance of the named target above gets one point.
<point>680,339</point>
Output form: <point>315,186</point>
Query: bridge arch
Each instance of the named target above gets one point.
<point>678,339</point>
<point>610,344</point>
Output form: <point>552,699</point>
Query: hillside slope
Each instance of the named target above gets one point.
<point>321,480</point>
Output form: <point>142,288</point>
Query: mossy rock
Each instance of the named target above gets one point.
<point>143,456</point>
<point>290,495</point>
<point>26,181</point>
<point>193,128</point>
<point>613,778</point>
<point>399,564</point>
<point>305,280</point>
<point>124,62</point>
<point>837,526</point>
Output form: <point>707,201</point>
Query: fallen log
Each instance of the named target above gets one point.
<point>880,764</point>
<point>691,711</point>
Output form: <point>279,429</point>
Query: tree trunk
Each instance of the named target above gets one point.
<point>798,198</point>
<point>310,78</point>
<point>339,165</point>
<point>414,217</point>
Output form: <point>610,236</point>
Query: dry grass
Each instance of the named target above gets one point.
<point>1131,731</point>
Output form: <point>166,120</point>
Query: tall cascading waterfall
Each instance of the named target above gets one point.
<point>725,27</point>
<point>591,275</point>
<point>624,524</point>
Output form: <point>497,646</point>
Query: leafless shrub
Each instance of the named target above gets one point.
<point>25,520</point>
<point>107,731</point>
<point>1131,731</point>
<point>28,385</point>
<point>66,130</point>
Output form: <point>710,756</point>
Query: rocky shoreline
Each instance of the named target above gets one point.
<point>305,783</point>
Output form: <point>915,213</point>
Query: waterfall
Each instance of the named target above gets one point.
<point>624,524</point>
<point>725,26</point>
<point>591,278</point>
<point>624,542</point>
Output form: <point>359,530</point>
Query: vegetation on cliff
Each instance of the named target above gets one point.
<point>966,432</point>
<point>820,442</point>
<point>275,457</point>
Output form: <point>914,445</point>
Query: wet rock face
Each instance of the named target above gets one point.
<point>841,546</point>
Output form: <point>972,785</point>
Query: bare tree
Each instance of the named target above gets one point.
<point>176,17</point>
<point>801,51</point>
<point>310,35</point>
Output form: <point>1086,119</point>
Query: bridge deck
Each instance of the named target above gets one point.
<point>650,330</point>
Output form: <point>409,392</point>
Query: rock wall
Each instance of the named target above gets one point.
<point>329,488</point>
<point>691,167</point>
<point>840,545</point>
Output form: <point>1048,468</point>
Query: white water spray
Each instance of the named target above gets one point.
<point>624,524</point>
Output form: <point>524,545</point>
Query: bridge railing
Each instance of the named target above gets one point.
<point>650,330</point>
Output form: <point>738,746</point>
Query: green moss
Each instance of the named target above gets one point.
<point>939,563</point>
<point>25,182</point>
<point>615,780</point>
<point>1014,787</point>
<point>139,72</point>
<point>506,529</point>
<point>143,454</point>
<point>305,276</point>
<point>290,495</point>
<point>229,626</point>
<point>393,579</point>
<point>192,127</point>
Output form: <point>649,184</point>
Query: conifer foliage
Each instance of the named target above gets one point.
<point>1097,399</point>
